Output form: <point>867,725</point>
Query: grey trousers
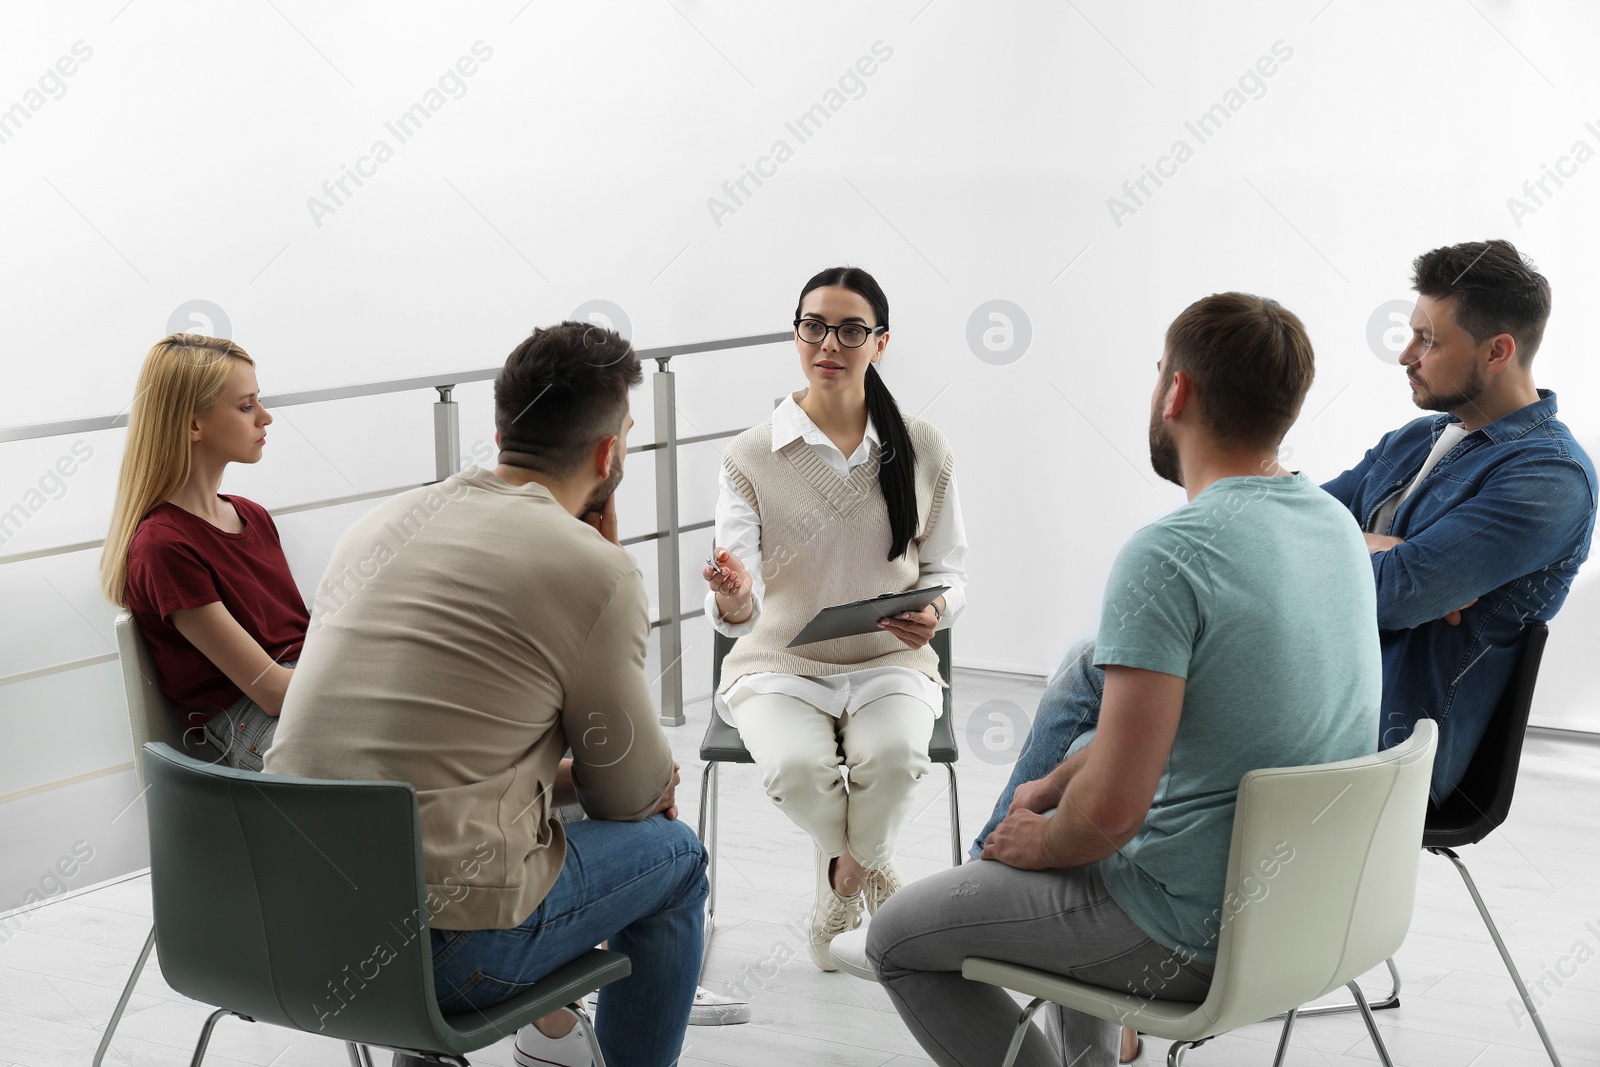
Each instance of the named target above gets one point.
<point>1062,921</point>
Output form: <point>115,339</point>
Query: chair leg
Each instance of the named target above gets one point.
<point>1175,1053</point>
<point>955,818</point>
<point>1372,1025</point>
<point>711,781</point>
<point>360,1055</point>
<point>1390,1001</point>
<point>705,798</point>
<point>1283,1038</point>
<point>1021,1031</point>
<point>127,992</point>
<point>205,1035</point>
<point>708,837</point>
<point>588,1033</point>
<point>1393,999</point>
<point>1505,955</point>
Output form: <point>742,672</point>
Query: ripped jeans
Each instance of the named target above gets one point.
<point>1062,921</point>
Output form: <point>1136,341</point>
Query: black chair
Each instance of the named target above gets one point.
<point>1479,805</point>
<point>1483,799</point>
<point>301,903</point>
<point>722,744</point>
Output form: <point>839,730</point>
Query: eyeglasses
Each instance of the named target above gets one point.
<point>850,334</point>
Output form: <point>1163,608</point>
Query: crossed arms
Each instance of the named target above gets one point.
<point>1518,522</point>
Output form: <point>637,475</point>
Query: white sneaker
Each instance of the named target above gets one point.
<point>711,1009</point>
<point>831,915</point>
<point>533,1049</point>
<point>849,951</point>
<point>881,885</point>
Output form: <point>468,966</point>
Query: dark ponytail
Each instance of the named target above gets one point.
<point>896,464</point>
<point>897,460</point>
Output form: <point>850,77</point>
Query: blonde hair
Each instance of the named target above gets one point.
<point>182,377</point>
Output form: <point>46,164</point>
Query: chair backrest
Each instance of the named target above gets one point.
<point>721,645</point>
<point>293,901</point>
<point>150,716</point>
<point>1322,875</point>
<point>1482,800</point>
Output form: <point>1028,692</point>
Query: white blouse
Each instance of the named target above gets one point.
<point>942,558</point>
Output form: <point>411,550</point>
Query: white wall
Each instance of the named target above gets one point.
<point>580,160</point>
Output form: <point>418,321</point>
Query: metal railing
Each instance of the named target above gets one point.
<point>447,460</point>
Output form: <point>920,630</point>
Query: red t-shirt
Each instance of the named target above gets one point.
<point>177,561</point>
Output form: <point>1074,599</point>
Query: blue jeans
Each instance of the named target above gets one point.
<point>1064,723</point>
<point>639,885</point>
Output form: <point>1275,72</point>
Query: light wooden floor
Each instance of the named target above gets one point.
<point>61,973</point>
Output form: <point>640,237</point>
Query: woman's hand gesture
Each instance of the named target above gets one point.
<point>731,582</point>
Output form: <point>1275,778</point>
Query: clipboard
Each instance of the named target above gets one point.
<point>861,616</point>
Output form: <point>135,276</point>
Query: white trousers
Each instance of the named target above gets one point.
<point>800,749</point>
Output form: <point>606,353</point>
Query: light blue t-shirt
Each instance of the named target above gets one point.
<point>1259,593</point>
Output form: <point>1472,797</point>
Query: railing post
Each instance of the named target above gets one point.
<point>668,593</point>
<point>446,435</point>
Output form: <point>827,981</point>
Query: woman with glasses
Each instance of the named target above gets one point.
<point>836,498</point>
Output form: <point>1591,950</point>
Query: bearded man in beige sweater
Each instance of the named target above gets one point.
<point>485,625</point>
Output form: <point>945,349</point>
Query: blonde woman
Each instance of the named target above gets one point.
<point>204,574</point>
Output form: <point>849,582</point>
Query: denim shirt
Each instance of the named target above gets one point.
<point>1506,516</point>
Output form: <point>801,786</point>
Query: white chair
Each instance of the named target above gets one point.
<point>1339,907</point>
<point>150,718</point>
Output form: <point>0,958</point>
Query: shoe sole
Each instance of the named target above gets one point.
<point>822,956</point>
<point>525,1059</point>
<point>731,1015</point>
<point>710,1014</point>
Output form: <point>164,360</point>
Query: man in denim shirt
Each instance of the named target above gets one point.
<point>1477,518</point>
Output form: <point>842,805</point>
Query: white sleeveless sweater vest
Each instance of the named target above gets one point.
<point>824,541</point>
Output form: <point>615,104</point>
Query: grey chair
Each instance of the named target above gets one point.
<point>722,744</point>
<point>150,718</point>
<point>1339,906</point>
<point>327,913</point>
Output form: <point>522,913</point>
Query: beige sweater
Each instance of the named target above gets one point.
<point>824,540</point>
<point>464,635</point>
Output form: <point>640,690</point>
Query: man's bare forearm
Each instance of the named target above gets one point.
<point>1074,838</point>
<point>1068,768</point>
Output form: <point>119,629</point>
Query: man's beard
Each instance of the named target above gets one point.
<point>597,499</point>
<point>1470,391</point>
<point>1164,451</point>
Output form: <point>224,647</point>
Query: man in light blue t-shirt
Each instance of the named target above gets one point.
<point>1237,633</point>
